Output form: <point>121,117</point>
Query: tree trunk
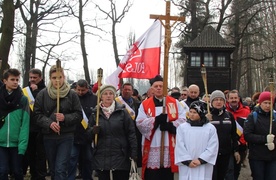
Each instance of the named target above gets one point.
<point>28,52</point>
<point>194,21</point>
<point>82,43</point>
<point>7,28</point>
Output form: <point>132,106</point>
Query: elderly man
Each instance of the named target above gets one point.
<point>155,124</point>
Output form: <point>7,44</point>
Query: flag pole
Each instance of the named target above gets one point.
<point>167,45</point>
<point>100,76</point>
<point>271,87</point>
<point>204,78</point>
<point>58,70</point>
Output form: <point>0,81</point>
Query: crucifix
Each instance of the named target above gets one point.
<point>167,45</point>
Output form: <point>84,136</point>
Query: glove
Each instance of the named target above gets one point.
<point>168,126</point>
<point>162,118</point>
<point>96,129</point>
<point>270,138</point>
<point>270,146</point>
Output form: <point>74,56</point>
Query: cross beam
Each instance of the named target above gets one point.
<point>167,42</point>
<point>167,45</point>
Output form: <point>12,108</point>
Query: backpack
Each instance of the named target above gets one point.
<point>255,116</point>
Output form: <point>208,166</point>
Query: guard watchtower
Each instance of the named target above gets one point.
<point>212,50</point>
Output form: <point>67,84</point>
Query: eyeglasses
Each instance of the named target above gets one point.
<point>183,94</point>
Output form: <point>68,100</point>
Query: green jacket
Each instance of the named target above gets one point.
<point>15,131</point>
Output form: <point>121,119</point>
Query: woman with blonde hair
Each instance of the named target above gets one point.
<point>58,127</point>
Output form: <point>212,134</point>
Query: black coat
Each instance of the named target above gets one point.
<point>45,107</point>
<point>226,129</point>
<point>255,134</point>
<point>88,102</point>
<point>116,140</point>
<point>135,104</point>
<point>33,126</point>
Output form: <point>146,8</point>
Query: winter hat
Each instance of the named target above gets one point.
<point>104,88</point>
<point>264,96</point>
<point>156,78</point>
<point>217,94</point>
<point>200,108</point>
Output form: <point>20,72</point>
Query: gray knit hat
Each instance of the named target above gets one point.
<point>107,87</point>
<point>216,94</point>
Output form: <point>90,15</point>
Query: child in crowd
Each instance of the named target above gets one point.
<point>196,145</point>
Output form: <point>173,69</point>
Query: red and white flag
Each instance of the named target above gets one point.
<point>142,60</point>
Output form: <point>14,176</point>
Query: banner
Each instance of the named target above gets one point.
<point>142,60</point>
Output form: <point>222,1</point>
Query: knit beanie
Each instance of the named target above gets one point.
<point>264,96</point>
<point>217,94</point>
<point>200,108</point>
<point>107,87</point>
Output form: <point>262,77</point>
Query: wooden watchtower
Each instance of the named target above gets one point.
<point>212,50</point>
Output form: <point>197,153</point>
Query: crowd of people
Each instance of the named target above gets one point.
<point>70,132</point>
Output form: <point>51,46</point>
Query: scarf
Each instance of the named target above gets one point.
<point>217,112</point>
<point>9,102</point>
<point>63,90</point>
<point>108,110</point>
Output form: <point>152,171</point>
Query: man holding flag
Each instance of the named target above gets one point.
<point>82,145</point>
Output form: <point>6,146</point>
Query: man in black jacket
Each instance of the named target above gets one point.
<point>35,155</point>
<point>193,94</point>
<point>82,145</point>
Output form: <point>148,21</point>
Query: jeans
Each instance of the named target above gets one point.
<point>58,153</point>
<point>9,158</point>
<point>263,170</point>
<point>85,153</point>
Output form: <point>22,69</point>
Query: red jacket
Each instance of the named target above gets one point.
<point>241,112</point>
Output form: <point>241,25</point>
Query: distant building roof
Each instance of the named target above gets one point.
<point>209,38</point>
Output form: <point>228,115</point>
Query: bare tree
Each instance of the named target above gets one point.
<point>116,17</point>
<point>79,14</point>
<point>7,28</point>
<point>36,14</point>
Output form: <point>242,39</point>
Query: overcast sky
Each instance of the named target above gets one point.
<point>100,53</point>
<point>137,21</point>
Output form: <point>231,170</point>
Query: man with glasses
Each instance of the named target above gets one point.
<point>184,93</point>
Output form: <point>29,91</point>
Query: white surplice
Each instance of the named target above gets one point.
<point>194,142</point>
<point>145,124</point>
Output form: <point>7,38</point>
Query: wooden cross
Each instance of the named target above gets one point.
<point>167,42</point>
<point>167,45</point>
